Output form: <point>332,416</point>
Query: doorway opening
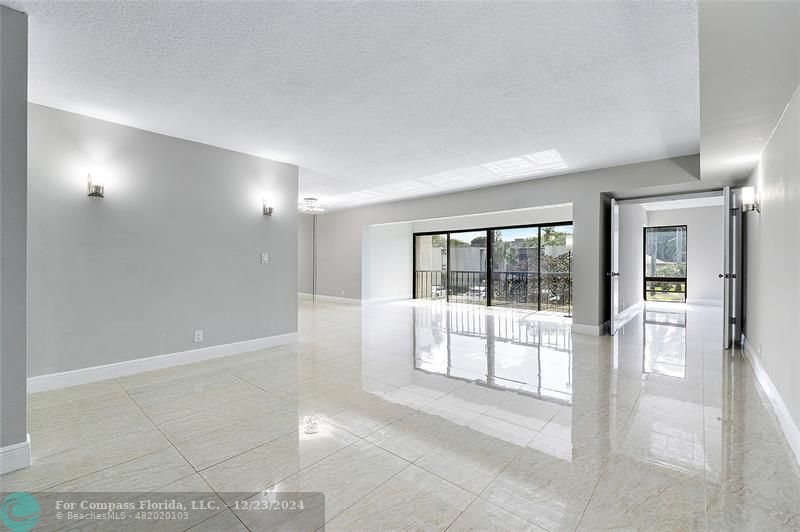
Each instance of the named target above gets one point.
<point>527,266</point>
<point>665,261</point>
<point>653,260</point>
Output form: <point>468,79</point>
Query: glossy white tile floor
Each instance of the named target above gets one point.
<point>437,417</point>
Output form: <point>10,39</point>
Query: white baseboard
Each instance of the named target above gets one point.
<point>17,456</point>
<point>54,381</point>
<point>785,419</point>
<point>588,330</point>
<point>629,313</point>
<point>330,299</point>
<point>704,302</point>
<point>385,299</point>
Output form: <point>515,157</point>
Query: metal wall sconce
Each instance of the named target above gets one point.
<point>266,210</point>
<point>749,200</point>
<point>94,186</point>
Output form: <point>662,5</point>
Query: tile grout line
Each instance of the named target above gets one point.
<point>502,470</point>
<point>198,472</point>
<point>408,464</point>
<point>192,466</point>
<point>604,469</point>
<point>160,431</point>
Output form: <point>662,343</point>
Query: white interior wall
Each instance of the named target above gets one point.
<point>704,249</point>
<point>339,243</point>
<point>771,284</point>
<point>387,251</point>
<point>539,215</point>
<point>632,220</point>
<point>387,262</point>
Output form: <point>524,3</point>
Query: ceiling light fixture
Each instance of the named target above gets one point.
<point>311,206</point>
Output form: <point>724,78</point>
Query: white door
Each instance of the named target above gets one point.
<point>613,275</point>
<point>731,274</point>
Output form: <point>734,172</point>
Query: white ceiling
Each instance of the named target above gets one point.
<point>750,57</point>
<point>370,97</point>
<point>687,203</point>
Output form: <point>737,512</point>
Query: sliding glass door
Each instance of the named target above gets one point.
<point>466,279</point>
<point>526,267</point>
<point>430,266</point>
<point>555,263</point>
<point>515,267</point>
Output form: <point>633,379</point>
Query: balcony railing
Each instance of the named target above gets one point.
<point>665,289</point>
<point>552,291</point>
<point>549,291</point>
<point>465,286</point>
<point>430,284</point>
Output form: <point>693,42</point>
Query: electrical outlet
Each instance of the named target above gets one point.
<point>265,258</point>
<point>198,336</point>
<point>341,292</point>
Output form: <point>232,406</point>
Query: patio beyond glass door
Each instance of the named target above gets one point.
<point>527,267</point>
<point>466,260</point>
<point>555,268</point>
<point>430,266</point>
<point>515,267</point>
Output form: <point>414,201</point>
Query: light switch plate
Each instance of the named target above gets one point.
<point>265,258</point>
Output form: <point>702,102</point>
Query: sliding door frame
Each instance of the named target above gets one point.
<point>489,232</point>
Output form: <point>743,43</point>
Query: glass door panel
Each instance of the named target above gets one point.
<point>466,280</point>
<point>556,268</point>
<point>515,267</point>
<point>430,266</point>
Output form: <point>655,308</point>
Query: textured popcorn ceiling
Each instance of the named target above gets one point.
<point>369,95</point>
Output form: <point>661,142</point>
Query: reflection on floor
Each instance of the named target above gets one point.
<point>427,415</point>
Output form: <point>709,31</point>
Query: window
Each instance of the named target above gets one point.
<point>523,267</point>
<point>665,263</point>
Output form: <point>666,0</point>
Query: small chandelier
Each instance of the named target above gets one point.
<point>311,206</point>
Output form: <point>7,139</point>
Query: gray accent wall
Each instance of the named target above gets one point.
<point>772,255</point>
<point>340,232</point>
<point>13,219</point>
<point>174,246</point>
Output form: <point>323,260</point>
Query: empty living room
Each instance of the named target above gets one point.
<point>399,265</point>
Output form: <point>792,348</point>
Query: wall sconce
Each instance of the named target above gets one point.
<point>266,210</point>
<point>94,186</point>
<point>749,200</point>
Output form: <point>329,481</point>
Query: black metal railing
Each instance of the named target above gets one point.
<point>665,289</point>
<point>466,286</point>
<point>430,284</point>
<point>550,291</point>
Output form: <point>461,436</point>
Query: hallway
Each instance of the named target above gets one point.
<point>479,418</point>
